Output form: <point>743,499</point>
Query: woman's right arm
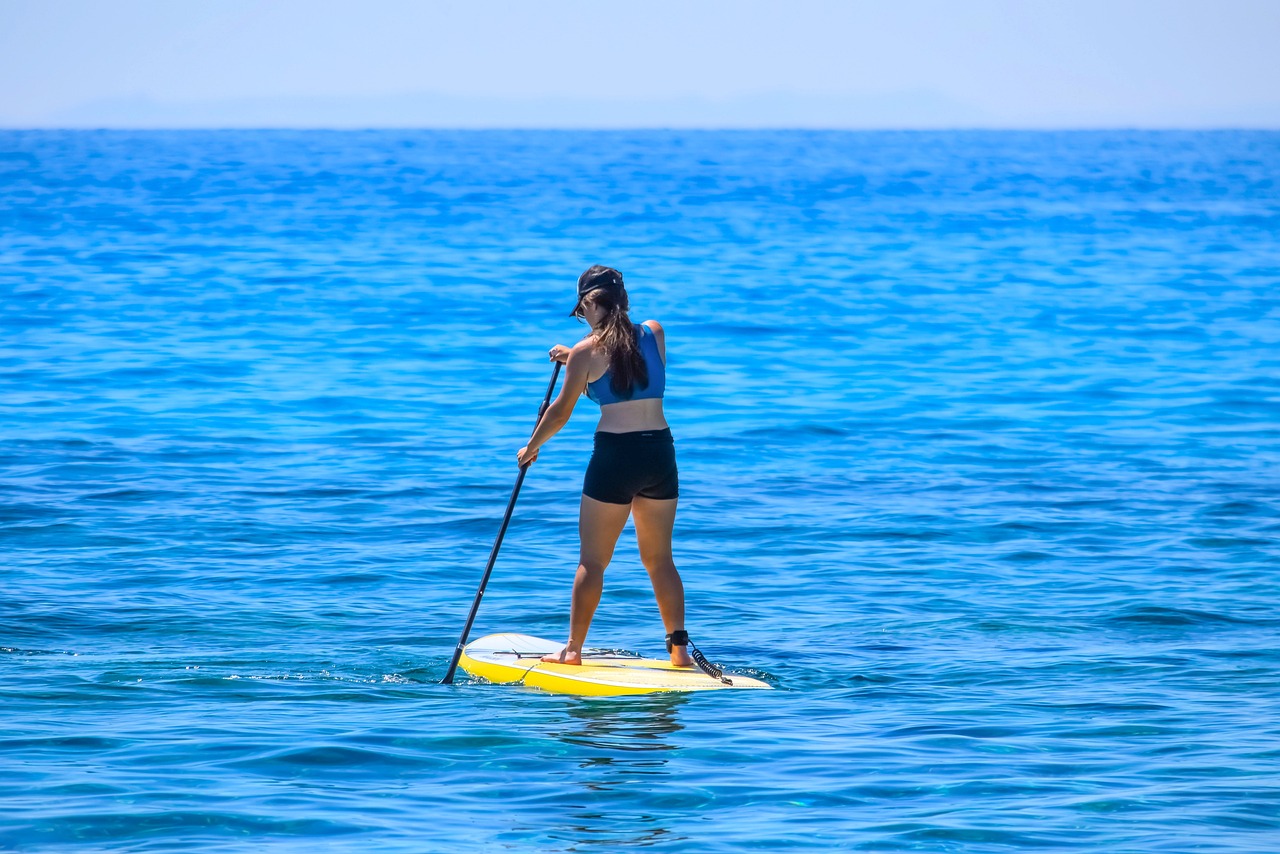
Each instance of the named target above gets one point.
<point>576,368</point>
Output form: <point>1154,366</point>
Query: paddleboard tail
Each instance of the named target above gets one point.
<point>681,638</point>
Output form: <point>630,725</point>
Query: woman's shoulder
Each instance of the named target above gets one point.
<point>655,327</point>
<point>589,352</point>
<point>584,348</point>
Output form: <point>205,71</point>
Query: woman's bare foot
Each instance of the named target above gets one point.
<point>564,656</point>
<point>678,646</point>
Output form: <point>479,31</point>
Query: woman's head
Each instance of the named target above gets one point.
<point>603,287</point>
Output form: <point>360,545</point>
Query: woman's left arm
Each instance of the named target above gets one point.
<point>659,335</point>
<point>576,369</point>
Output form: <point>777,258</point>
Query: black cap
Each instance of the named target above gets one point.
<point>595,279</point>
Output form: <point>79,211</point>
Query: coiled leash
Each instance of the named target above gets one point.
<point>681,638</point>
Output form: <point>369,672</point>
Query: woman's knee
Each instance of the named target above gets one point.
<point>658,561</point>
<point>594,567</point>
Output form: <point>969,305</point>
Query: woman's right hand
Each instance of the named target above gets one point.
<point>559,353</point>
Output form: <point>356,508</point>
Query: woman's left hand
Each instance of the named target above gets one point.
<point>526,457</point>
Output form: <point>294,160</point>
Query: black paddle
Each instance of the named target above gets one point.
<point>497,544</point>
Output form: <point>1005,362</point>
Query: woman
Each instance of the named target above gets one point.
<point>622,367</point>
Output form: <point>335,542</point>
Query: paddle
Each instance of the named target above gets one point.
<point>497,544</point>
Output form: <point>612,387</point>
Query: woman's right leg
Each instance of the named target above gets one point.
<point>599,526</point>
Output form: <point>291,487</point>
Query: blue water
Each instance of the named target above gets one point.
<point>979,437</point>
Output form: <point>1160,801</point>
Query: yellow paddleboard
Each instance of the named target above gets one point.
<point>507,658</point>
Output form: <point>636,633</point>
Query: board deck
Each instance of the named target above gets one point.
<point>508,657</point>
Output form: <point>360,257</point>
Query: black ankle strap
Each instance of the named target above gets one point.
<point>681,638</point>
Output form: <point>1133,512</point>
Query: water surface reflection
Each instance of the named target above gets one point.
<point>619,799</point>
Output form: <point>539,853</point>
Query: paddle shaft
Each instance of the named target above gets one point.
<point>497,543</point>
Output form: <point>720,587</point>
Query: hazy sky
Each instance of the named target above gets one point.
<point>907,63</point>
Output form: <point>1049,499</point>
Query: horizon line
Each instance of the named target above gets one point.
<point>647,128</point>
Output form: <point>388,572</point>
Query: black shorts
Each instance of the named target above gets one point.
<point>625,465</point>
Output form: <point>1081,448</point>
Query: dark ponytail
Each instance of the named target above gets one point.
<point>616,335</point>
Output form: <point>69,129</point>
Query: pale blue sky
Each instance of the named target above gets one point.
<point>571,63</point>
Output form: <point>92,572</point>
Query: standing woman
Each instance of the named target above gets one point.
<point>622,367</point>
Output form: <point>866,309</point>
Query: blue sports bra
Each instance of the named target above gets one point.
<point>600,391</point>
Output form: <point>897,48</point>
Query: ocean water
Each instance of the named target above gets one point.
<point>979,437</point>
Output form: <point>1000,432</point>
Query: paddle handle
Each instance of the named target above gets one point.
<point>497,543</point>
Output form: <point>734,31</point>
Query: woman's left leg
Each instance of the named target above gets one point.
<point>655,519</point>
